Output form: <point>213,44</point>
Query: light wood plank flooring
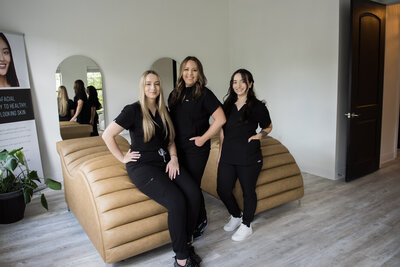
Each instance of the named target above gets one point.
<point>337,224</point>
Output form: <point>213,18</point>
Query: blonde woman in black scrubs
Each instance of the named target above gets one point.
<point>152,164</point>
<point>191,105</point>
<point>240,154</point>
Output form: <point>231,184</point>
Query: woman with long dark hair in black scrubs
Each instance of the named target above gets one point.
<point>191,104</point>
<point>240,154</point>
<point>8,75</point>
<point>94,104</point>
<point>82,109</point>
<point>152,164</point>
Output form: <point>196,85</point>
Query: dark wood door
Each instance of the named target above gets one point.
<point>365,107</point>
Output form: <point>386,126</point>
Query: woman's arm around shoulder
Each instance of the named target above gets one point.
<point>216,125</point>
<point>78,110</point>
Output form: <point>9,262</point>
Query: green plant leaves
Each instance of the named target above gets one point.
<point>20,156</point>
<point>3,154</point>
<point>11,164</point>
<point>28,192</point>
<point>32,175</point>
<point>44,202</point>
<point>12,152</point>
<point>26,180</point>
<point>53,184</point>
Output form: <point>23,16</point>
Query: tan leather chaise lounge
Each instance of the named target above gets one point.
<point>122,222</point>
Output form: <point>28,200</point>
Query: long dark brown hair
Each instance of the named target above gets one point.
<point>179,92</point>
<point>11,75</point>
<point>231,97</point>
<point>79,87</point>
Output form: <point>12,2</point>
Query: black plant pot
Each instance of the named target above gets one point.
<point>12,207</point>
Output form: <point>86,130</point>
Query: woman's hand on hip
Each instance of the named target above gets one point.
<point>172,168</point>
<point>131,156</point>
<point>198,141</point>
<point>255,137</point>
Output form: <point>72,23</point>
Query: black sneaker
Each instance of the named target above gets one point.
<point>189,263</point>
<point>192,254</point>
<point>198,232</point>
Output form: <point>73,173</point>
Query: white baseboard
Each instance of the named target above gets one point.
<point>387,157</point>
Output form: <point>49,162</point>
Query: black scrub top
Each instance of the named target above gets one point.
<point>235,148</point>
<point>84,115</point>
<point>131,119</point>
<point>191,118</point>
<point>70,106</point>
<point>94,103</point>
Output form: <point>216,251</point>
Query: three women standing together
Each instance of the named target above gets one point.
<point>159,138</point>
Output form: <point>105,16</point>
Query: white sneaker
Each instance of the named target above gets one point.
<point>232,224</point>
<point>242,233</point>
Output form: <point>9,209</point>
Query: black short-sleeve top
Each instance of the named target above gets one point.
<point>131,118</point>
<point>191,118</point>
<point>235,148</point>
<point>84,115</point>
<point>70,106</point>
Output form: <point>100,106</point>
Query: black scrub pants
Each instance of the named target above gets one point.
<point>195,163</point>
<point>181,197</point>
<point>248,176</point>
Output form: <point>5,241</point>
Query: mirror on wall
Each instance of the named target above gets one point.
<point>167,69</point>
<point>90,111</point>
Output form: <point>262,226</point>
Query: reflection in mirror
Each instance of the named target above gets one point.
<point>166,68</point>
<point>86,113</point>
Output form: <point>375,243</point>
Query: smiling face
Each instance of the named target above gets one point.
<point>240,86</point>
<point>190,73</point>
<point>5,57</point>
<point>152,87</point>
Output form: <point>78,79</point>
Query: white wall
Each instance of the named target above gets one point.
<point>291,47</point>
<point>343,86</point>
<point>391,86</point>
<point>164,68</point>
<point>124,38</point>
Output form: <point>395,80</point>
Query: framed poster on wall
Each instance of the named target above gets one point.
<point>17,120</point>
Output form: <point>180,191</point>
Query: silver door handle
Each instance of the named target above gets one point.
<point>352,115</point>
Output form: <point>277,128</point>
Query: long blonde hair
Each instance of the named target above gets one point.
<point>148,122</point>
<point>62,98</point>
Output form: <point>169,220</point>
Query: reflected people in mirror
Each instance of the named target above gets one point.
<point>82,110</point>
<point>94,104</point>
<point>66,107</point>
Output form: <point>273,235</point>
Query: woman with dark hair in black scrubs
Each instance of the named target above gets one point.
<point>240,155</point>
<point>94,104</point>
<point>152,164</point>
<point>191,104</point>
<point>82,109</point>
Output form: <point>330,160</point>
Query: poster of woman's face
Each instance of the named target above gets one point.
<point>13,65</point>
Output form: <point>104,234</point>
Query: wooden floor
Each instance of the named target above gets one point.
<point>337,224</point>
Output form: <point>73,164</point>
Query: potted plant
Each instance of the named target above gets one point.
<point>17,184</point>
